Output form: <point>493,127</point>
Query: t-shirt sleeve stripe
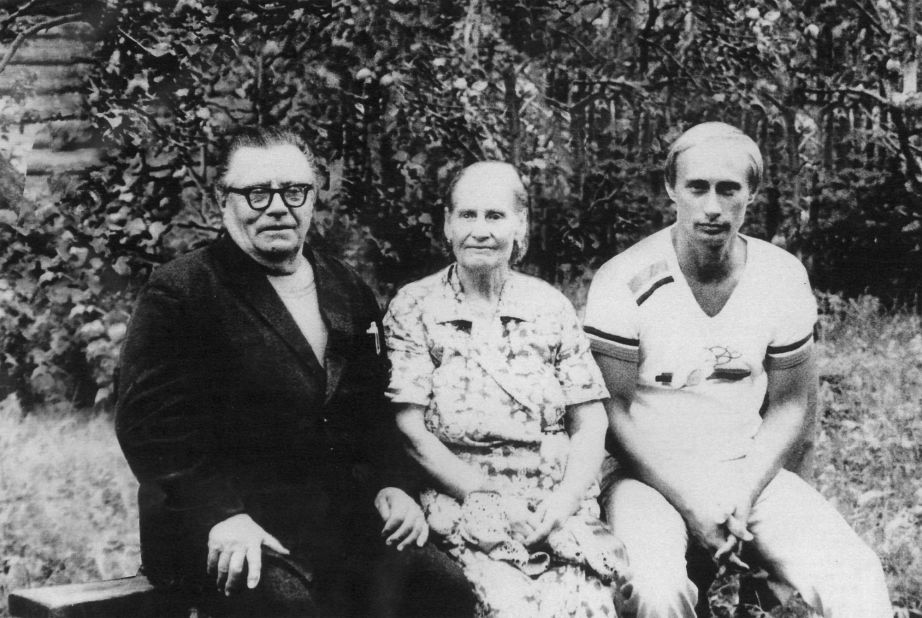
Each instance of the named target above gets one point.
<point>621,348</point>
<point>790,355</point>
<point>784,349</point>
<point>657,285</point>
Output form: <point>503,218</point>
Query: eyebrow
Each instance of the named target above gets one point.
<point>720,184</point>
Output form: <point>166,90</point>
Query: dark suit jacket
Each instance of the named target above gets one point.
<point>224,409</point>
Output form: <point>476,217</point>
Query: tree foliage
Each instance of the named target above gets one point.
<point>582,96</point>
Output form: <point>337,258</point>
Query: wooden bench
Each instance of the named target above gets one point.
<point>128,597</point>
<point>135,597</point>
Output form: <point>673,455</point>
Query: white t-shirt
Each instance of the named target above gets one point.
<point>299,293</point>
<point>702,379</point>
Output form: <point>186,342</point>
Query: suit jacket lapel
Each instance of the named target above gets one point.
<point>250,280</point>
<point>334,303</point>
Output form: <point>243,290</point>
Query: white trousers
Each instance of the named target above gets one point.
<point>799,538</point>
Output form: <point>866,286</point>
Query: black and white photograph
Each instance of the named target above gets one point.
<point>460,308</point>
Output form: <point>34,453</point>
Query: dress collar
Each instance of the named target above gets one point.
<point>514,302</point>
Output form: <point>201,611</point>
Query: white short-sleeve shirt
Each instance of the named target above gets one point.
<point>702,379</point>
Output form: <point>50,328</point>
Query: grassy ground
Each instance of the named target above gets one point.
<point>68,506</point>
<point>68,510</point>
<point>868,460</point>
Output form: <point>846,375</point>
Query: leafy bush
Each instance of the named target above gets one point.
<point>584,97</point>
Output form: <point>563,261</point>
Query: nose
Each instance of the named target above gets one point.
<point>479,228</point>
<point>276,205</point>
<point>712,207</point>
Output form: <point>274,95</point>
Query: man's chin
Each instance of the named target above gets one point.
<point>279,252</point>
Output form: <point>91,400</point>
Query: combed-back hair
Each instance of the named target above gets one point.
<point>716,132</point>
<point>264,137</point>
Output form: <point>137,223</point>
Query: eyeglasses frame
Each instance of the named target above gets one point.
<point>245,192</point>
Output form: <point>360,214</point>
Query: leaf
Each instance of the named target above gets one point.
<point>135,227</point>
<point>102,396</point>
<point>8,217</point>
<point>91,330</point>
<point>122,266</point>
<point>155,230</point>
<point>870,496</point>
<point>116,332</point>
<point>47,277</point>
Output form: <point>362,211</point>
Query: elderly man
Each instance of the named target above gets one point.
<point>692,327</point>
<point>251,407</point>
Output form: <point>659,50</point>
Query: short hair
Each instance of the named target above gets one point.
<point>715,132</point>
<point>505,172</point>
<point>265,137</point>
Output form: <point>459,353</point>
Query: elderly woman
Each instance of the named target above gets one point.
<point>500,401</point>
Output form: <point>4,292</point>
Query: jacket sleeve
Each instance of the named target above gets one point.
<point>169,396</point>
<point>382,441</point>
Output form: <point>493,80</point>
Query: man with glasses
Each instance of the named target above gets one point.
<point>251,408</point>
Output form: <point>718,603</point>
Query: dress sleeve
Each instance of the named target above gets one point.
<point>575,368</point>
<point>411,363</point>
<point>795,318</point>
<point>612,321</point>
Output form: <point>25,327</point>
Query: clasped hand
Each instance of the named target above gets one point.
<point>721,525</point>
<point>551,513</point>
<point>498,515</point>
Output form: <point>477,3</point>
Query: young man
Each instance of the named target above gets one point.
<point>692,327</point>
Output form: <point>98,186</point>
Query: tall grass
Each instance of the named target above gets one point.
<point>68,511</point>
<point>869,461</point>
<point>68,505</point>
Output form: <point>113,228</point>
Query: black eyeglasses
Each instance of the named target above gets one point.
<point>259,198</point>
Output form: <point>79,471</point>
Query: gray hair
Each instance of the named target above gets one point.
<point>507,173</point>
<point>715,132</point>
<point>265,137</point>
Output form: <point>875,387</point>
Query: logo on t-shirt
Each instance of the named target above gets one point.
<point>716,362</point>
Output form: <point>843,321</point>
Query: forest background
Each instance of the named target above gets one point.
<point>584,97</point>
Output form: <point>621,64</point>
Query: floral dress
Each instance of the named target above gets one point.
<point>497,399</point>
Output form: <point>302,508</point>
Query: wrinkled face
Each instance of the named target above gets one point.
<point>277,233</point>
<point>483,225</point>
<point>711,192</point>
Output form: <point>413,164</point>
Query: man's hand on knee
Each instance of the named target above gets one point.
<point>234,547</point>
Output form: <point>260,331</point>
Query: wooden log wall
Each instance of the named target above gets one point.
<point>45,129</point>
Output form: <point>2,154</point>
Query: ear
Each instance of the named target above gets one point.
<point>670,190</point>
<point>752,196</point>
<point>447,214</point>
<point>523,224</point>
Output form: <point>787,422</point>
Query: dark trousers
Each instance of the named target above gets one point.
<point>414,583</point>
